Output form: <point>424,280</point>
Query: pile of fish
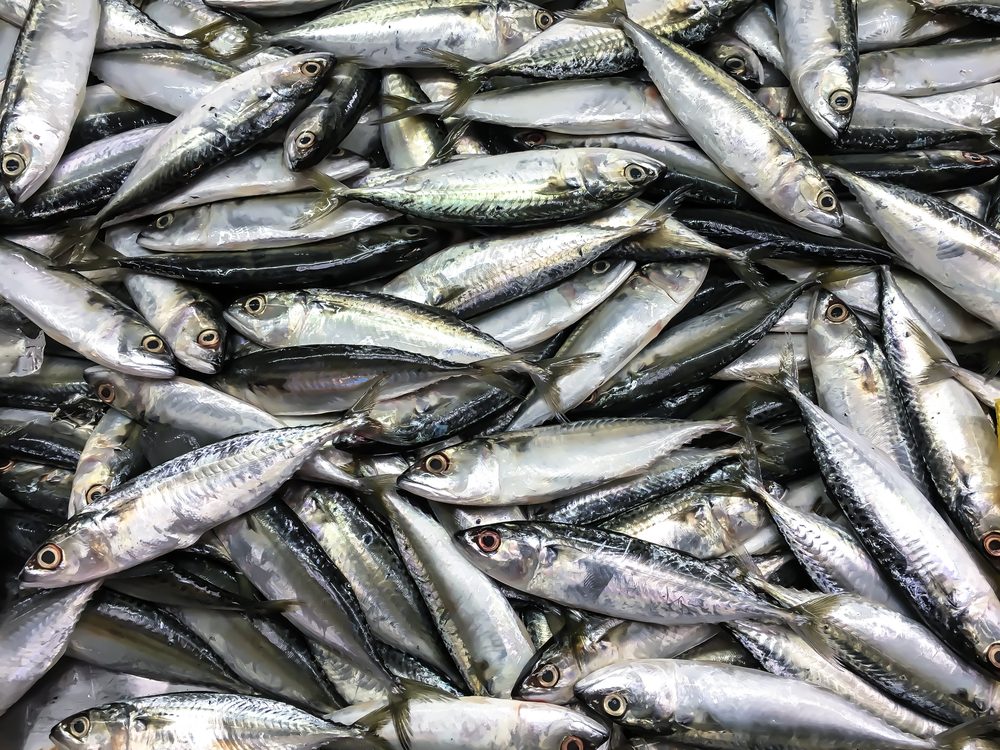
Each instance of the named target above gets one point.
<point>485,375</point>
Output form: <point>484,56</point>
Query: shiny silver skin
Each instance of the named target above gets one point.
<point>594,642</point>
<point>529,466</point>
<point>763,358</point>
<point>189,720</point>
<point>278,555</point>
<point>899,655</point>
<point>256,173</point>
<point>171,506</point>
<point>79,314</point>
<point>44,90</point>
<point>906,535</point>
<point>122,25</point>
<point>861,293</point>
<point>225,35</point>
<point>187,318</point>
<point>604,106</point>
<point>659,695</point>
<point>931,69</point>
<point>270,8</point>
<point>786,654</point>
<point>975,201</point>
<point>736,57</point>
<point>486,639</point>
<point>611,574</point>
<point>975,107</point>
<point>855,385</point>
<point>22,344</point>
<point>820,48</point>
<point>110,456</point>
<point>985,388</point>
<point>958,440</point>
<point>392,33</point>
<point>758,28</point>
<point>616,332</point>
<point>473,276</point>
<point>34,631</point>
<point>956,253</point>
<point>438,85</point>
<point>224,123</point>
<point>256,223</point>
<point>412,141</point>
<point>755,150</point>
<point>834,559</point>
<point>358,544</point>
<point>208,414</point>
<point>533,319</point>
<point>325,316</point>
<point>514,189</point>
<point>703,520</point>
<point>170,80</point>
<point>480,723</point>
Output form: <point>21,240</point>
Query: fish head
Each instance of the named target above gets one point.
<point>833,99</point>
<point>102,728</point>
<point>163,232</point>
<point>299,76</point>
<point>197,335</point>
<point>551,674</point>
<point>466,474</point>
<point>624,693</point>
<point>264,317</point>
<point>834,329</point>
<point>614,175</point>
<point>509,552</point>
<point>23,150</point>
<point>117,390</point>
<point>518,21</point>
<point>814,205</point>
<point>142,351</point>
<point>563,728</point>
<point>73,553</point>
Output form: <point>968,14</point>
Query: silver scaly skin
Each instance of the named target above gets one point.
<point>412,141</point>
<point>393,33</point>
<point>819,45</point>
<point>110,456</point>
<point>184,721</point>
<point>748,143</point>
<point>958,440</point>
<point>81,315</point>
<point>935,69</point>
<point>171,506</point>
<point>44,90</point>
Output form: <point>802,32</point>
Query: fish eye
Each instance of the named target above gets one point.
<point>311,68</point>
<point>993,654</point>
<point>106,392</point>
<point>838,313</point>
<point>533,139</point>
<point>412,231</point>
<point>601,266</point>
<point>991,543</point>
<point>544,19</point>
<point>163,221</point>
<point>592,398</point>
<point>735,64</point>
<point>209,338</point>
<point>7,465</point>
<point>95,492</point>
<point>571,742</point>
<point>79,726</point>
<point>974,158</point>
<point>337,152</point>
<point>636,174</point>
<point>437,463</point>
<point>841,100</point>
<point>306,139</point>
<point>13,164</point>
<point>614,704</point>
<point>827,200</point>
<point>153,344</point>
<point>256,304</point>
<point>488,540</point>
<point>547,676</point>
<point>49,557</point>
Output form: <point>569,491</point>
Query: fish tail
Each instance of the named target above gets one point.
<point>958,737</point>
<point>655,217</point>
<point>451,142</point>
<point>610,15</point>
<point>741,261</point>
<point>470,70</point>
<point>491,371</point>
<point>405,108</point>
<point>333,195</point>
